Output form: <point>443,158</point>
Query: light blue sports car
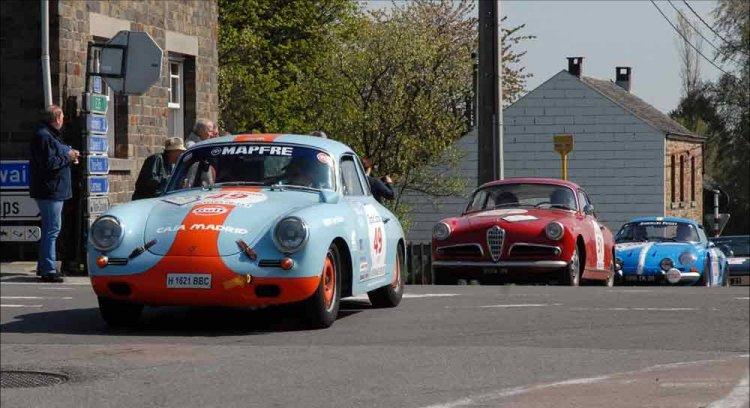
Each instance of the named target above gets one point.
<point>668,250</point>
<point>250,221</point>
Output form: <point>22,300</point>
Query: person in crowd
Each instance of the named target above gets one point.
<point>50,185</point>
<point>203,129</point>
<point>319,133</point>
<point>154,175</point>
<point>381,188</point>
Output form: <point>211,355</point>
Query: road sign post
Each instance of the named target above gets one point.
<point>563,146</point>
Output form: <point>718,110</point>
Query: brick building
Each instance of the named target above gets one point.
<point>632,158</point>
<point>185,30</point>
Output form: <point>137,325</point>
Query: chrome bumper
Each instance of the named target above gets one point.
<point>684,276</point>
<point>502,264</point>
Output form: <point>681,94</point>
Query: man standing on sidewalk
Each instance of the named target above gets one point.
<point>203,129</point>
<point>50,186</point>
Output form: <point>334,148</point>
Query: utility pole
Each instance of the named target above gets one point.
<point>490,94</point>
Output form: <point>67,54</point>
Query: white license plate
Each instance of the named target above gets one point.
<point>640,278</point>
<point>189,281</point>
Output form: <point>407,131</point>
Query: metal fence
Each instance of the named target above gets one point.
<point>419,263</point>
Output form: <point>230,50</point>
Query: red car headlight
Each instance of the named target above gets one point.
<point>441,231</point>
<point>554,230</point>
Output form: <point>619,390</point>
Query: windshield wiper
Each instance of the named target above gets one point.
<point>298,187</point>
<point>511,205</point>
<point>238,183</point>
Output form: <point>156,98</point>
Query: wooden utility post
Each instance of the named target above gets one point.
<point>563,146</point>
<point>490,95</point>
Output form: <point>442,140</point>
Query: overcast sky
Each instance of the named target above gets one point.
<point>608,34</point>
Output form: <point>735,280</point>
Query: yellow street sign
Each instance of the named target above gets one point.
<point>563,143</point>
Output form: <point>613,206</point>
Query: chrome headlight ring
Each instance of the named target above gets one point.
<point>554,230</point>
<point>441,231</point>
<point>687,258</point>
<point>290,234</point>
<point>106,233</point>
<point>666,264</point>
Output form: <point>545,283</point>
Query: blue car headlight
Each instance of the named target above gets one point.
<point>106,233</point>
<point>290,234</point>
<point>687,258</point>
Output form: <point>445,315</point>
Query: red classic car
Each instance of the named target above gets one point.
<point>521,229</point>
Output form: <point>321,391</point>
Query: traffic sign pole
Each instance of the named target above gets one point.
<point>563,146</point>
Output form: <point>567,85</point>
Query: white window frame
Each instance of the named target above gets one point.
<point>180,84</point>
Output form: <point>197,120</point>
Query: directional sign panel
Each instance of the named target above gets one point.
<point>97,144</point>
<point>137,67</point>
<point>96,84</point>
<point>97,185</point>
<point>18,206</point>
<point>96,103</point>
<point>96,123</point>
<point>563,143</point>
<point>20,233</point>
<point>14,174</point>
<point>96,205</point>
<point>97,164</point>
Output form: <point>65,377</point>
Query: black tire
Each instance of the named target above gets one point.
<point>610,282</point>
<point>322,307</point>
<point>706,275</point>
<point>118,313</point>
<point>443,277</point>
<point>572,274</point>
<point>390,295</point>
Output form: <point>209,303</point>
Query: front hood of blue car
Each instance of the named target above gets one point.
<point>639,257</point>
<point>209,223</point>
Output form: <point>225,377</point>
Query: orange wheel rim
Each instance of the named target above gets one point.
<point>397,281</point>
<point>329,281</point>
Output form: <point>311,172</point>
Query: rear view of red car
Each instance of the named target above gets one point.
<point>522,229</point>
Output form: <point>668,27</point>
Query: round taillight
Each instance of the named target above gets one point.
<point>287,264</point>
<point>102,261</point>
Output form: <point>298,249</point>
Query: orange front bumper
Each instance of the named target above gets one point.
<point>227,289</point>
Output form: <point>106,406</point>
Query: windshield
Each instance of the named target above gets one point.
<point>657,231</point>
<point>520,195</point>
<point>740,246</point>
<point>253,164</point>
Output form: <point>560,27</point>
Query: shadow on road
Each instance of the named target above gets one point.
<point>175,321</point>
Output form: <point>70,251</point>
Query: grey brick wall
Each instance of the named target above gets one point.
<point>617,158</point>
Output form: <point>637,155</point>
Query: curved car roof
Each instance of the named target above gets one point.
<point>331,146</point>
<point>668,219</point>
<point>531,180</point>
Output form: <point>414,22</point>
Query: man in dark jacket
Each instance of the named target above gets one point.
<point>381,188</point>
<point>154,175</point>
<point>50,186</point>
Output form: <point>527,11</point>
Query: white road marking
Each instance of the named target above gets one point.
<point>736,394</point>
<point>73,283</point>
<point>35,297</point>
<point>639,309</point>
<point>630,291</point>
<point>522,305</point>
<point>410,295</point>
<point>742,298</point>
<point>54,288</point>
<point>737,398</point>
<point>3,305</point>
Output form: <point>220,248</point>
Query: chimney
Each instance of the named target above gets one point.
<point>622,77</point>
<point>575,66</point>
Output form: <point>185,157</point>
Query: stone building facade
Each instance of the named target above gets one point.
<point>622,151</point>
<point>187,32</point>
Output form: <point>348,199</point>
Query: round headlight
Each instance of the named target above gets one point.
<point>666,264</point>
<point>441,231</point>
<point>290,234</point>
<point>554,230</point>
<point>106,233</point>
<point>687,258</point>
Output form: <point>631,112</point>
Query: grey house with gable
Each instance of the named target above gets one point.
<point>633,159</point>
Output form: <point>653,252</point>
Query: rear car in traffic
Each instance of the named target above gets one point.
<point>737,250</point>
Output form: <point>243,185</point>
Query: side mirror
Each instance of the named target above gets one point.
<point>711,244</point>
<point>588,209</point>
<point>329,196</point>
<point>726,250</point>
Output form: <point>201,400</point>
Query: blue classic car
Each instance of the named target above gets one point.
<point>668,250</point>
<point>250,221</point>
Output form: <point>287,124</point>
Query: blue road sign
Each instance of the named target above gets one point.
<point>97,164</point>
<point>14,174</point>
<point>96,123</point>
<point>96,84</point>
<point>97,185</point>
<point>97,144</point>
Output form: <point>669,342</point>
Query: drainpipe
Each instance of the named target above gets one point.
<point>46,79</point>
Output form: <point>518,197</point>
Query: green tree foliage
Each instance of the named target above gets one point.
<point>400,91</point>
<point>271,53</point>
<point>721,111</point>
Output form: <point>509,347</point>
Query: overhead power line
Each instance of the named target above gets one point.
<point>697,31</point>
<point>706,24</point>
<point>686,40</point>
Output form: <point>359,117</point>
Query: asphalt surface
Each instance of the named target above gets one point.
<point>488,346</point>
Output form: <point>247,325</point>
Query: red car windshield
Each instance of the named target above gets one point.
<point>523,195</point>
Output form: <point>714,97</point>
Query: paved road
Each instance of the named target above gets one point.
<point>509,346</point>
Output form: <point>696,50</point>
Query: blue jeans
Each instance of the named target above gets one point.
<point>51,212</point>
